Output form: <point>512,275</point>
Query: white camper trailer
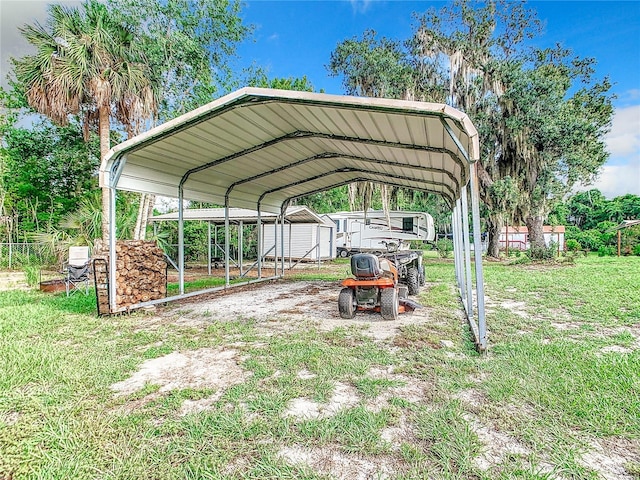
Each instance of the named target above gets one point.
<point>357,232</point>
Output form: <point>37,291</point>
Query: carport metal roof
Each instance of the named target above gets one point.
<point>295,214</point>
<point>260,148</point>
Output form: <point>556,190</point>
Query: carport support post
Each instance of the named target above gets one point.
<point>461,257</point>
<point>477,250</point>
<point>240,245</point>
<point>290,235</point>
<point>209,247</point>
<point>259,247</point>
<point>467,249</point>
<point>181,240</point>
<point>275,246</point>
<point>282,215</point>
<point>461,245</point>
<point>456,246</point>
<point>318,243</point>
<point>112,249</point>
<point>226,244</point>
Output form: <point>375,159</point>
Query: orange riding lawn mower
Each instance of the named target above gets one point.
<point>382,284</point>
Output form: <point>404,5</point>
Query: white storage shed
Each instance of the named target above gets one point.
<point>313,240</point>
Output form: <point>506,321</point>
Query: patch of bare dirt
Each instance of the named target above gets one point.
<point>409,389</point>
<point>289,306</point>
<point>339,465</point>
<point>471,398</point>
<point>344,396</point>
<point>496,445</point>
<point>214,368</point>
<point>608,457</point>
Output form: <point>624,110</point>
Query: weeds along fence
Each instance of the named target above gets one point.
<point>20,255</point>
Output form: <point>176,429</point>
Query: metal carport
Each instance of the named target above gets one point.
<point>261,148</point>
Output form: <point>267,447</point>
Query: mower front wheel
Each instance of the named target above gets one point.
<point>389,304</point>
<point>347,303</point>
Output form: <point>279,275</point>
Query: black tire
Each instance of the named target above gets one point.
<point>423,278</point>
<point>347,303</point>
<point>343,253</point>
<point>389,304</point>
<point>413,281</point>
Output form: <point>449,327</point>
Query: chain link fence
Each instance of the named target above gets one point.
<point>20,255</point>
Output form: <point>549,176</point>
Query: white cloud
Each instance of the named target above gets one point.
<point>360,6</point>
<point>621,174</point>
<point>617,180</point>
<point>15,14</point>
<point>624,138</point>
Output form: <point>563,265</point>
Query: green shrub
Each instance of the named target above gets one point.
<point>522,260</point>
<point>590,240</point>
<point>543,253</point>
<point>573,245</point>
<point>444,246</point>
<point>636,250</point>
<point>605,251</point>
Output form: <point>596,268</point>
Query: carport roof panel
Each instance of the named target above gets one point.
<point>294,214</point>
<point>223,145</point>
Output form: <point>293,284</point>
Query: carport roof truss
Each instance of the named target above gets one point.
<point>261,148</point>
<point>258,148</point>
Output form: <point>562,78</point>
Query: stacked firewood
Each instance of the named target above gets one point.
<point>141,272</point>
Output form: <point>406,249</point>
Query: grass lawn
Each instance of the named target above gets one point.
<point>557,396</point>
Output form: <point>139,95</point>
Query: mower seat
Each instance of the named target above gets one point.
<point>365,265</point>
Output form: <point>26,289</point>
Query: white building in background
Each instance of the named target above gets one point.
<point>306,236</point>
<point>517,238</point>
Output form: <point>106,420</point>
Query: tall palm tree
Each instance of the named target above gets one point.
<point>87,64</point>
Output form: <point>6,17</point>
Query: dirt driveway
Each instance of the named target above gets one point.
<point>284,303</point>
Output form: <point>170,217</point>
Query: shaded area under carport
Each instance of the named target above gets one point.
<point>262,148</point>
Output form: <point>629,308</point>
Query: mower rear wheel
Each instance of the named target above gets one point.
<point>413,280</point>
<point>347,303</point>
<point>389,304</point>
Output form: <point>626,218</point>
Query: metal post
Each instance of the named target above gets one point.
<point>113,305</point>
<point>209,247</point>
<point>467,250</point>
<point>227,260</point>
<point>282,217</point>
<point>181,240</point>
<point>507,235</point>
<point>461,267</point>
<point>240,246</point>
<point>275,246</point>
<point>456,246</point>
<point>290,235</point>
<point>259,248</point>
<point>318,243</point>
<point>477,245</point>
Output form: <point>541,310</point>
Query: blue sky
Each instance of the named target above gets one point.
<point>295,38</point>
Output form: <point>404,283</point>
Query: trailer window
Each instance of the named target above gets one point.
<point>407,224</point>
